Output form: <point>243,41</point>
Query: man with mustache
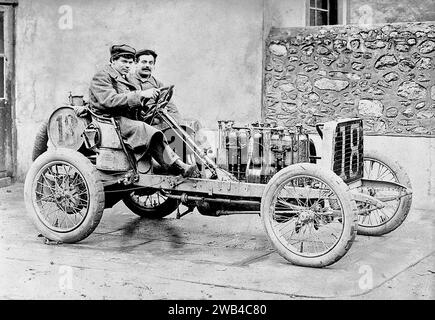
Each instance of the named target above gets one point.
<point>112,95</point>
<point>143,78</point>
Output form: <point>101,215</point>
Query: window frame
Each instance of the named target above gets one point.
<point>342,12</point>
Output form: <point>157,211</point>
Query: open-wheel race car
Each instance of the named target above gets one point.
<point>312,199</point>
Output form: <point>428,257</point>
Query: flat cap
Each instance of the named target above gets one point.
<point>121,49</point>
<point>147,52</point>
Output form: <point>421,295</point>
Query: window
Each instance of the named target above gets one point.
<point>323,12</point>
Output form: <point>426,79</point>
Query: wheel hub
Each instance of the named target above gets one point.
<point>66,198</point>
<point>306,216</point>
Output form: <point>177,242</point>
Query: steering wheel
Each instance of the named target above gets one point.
<point>164,96</point>
<point>162,99</point>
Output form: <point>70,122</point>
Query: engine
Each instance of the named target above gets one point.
<point>254,153</point>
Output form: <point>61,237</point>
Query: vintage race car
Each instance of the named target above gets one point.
<point>312,199</point>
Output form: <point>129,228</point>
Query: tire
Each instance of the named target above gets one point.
<point>320,215</point>
<point>62,187</point>
<point>396,211</point>
<point>41,140</point>
<point>144,203</point>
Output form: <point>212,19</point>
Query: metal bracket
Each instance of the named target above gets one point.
<point>380,183</point>
<point>189,210</point>
<point>361,197</point>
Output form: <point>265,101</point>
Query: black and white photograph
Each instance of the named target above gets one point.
<point>234,152</point>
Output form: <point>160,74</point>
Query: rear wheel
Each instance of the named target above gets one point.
<point>377,222</point>
<point>64,195</point>
<point>309,215</point>
<point>41,140</point>
<point>150,203</point>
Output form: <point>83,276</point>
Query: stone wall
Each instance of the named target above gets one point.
<point>382,73</point>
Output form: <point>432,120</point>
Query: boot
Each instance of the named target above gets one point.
<point>186,170</point>
<point>170,161</point>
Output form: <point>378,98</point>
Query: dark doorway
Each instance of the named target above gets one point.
<point>7,143</point>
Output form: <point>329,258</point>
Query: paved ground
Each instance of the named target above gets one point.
<point>201,257</point>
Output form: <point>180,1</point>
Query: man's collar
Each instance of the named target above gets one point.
<point>143,80</point>
<point>116,72</point>
<point>117,75</point>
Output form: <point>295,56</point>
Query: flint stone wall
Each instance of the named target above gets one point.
<point>383,73</point>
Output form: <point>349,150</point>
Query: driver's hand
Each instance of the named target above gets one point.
<point>151,93</point>
<point>156,121</point>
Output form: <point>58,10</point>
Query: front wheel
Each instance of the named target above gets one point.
<point>378,222</point>
<point>64,195</point>
<point>309,215</point>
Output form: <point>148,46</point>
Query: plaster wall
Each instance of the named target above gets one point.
<point>388,11</point>
<point>210,50</point>
<point>417,157</point>
<point>282,13</point>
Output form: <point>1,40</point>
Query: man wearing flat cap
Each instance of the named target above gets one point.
<point>142,76</point>
<point>111,94</point>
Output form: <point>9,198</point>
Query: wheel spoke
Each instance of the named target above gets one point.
<point>47,183</point>
<point>306,228</point>
<point>62,209</point>
<point>50,196</point>
<point>47,214</point>
<point>383,173</point>
<point>149,201</point>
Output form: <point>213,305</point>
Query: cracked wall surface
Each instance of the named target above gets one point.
<point>382,73</point>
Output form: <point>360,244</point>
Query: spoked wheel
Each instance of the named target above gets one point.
<point>381,221</point>
<point>309,215</point>
<point>150,203</point>
<point>64,195</point>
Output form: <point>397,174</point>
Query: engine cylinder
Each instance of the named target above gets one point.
<point>256,152</point>
<point>243,153</point>
<point>232,152</point>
